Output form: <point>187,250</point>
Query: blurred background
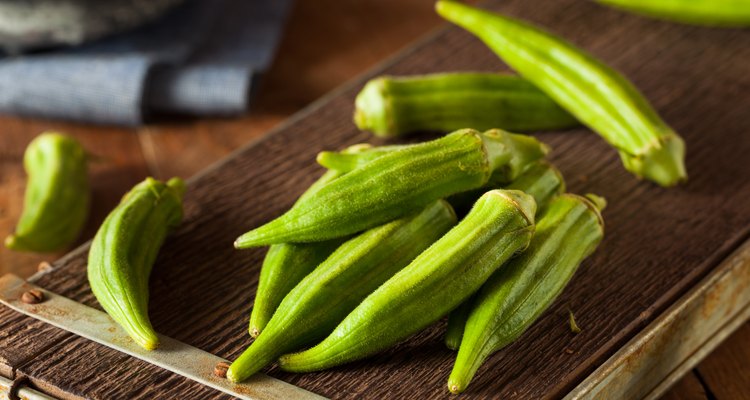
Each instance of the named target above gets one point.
<point>165,88</point>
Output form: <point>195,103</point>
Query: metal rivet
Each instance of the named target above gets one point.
<point>33,296</point>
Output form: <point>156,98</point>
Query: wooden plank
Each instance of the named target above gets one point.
<point>726,371</point>
<point>659,243</point>
<point>687,388</point>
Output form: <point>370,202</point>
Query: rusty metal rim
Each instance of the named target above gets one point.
<point>172,355</point>
<point>695,325</point>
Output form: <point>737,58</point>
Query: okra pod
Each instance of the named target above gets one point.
<point>437,281</point>
<point>322,299</point>
<point>729,13</point>
<point>57,195</point>
<point>399,183</point>
<point>392,106</point>
<point>124,250</point>
<point>594,93</point>
<point>543,182</point>
<point>514,297</point>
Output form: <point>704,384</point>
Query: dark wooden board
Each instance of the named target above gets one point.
<point>659,242</point>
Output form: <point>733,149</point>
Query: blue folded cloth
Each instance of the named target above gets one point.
<point>200,59</point>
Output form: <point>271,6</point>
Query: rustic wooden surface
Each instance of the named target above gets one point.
<point>616,293</point>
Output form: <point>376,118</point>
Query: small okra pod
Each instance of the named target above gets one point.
<point>594,93</point>
<point>437,281</point>
<point>393,106</point>
<point>514,297</point>
<point>124,250</point>
<point>543,182</point>
<point>729,13</point>
<point>400,183</point>
<point>57,195</point>
<point>322,299</point>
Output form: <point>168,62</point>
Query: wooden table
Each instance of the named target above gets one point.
<point>327,42</point>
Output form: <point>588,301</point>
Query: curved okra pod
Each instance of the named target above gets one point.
<point>543,182</point>
<point>514,297</point>
<point>392,106</point>
<point>437,281</point>
<point>57,195</point>
<point>399,183</point>
<point>730,13</point>
<point>124,250</point>
<point>322,299</point>
<point>596,94</point>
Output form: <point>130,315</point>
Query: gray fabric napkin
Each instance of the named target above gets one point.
<point>200,59</point>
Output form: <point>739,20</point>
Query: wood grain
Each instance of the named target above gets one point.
<point>659,242</point>
<point>687,388</point>
<point>726,371</point>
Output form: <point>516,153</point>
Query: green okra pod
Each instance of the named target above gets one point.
<point>57,195</point>
<point>543,182</point>
<point>124,250</point>
<point>322,299</point>
<point>514,297</point>
<point>437,281</point>
<point>729,13</point>
<point>392,106</point>
<point>399,183</point>
<point>594,93</point>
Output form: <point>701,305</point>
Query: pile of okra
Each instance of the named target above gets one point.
<point>475,225</point>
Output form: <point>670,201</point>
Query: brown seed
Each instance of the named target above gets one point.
<point>33,296</point>
<point>220,369</point>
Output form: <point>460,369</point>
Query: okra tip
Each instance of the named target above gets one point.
<point>455,388</point>
<point>663,162</point>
